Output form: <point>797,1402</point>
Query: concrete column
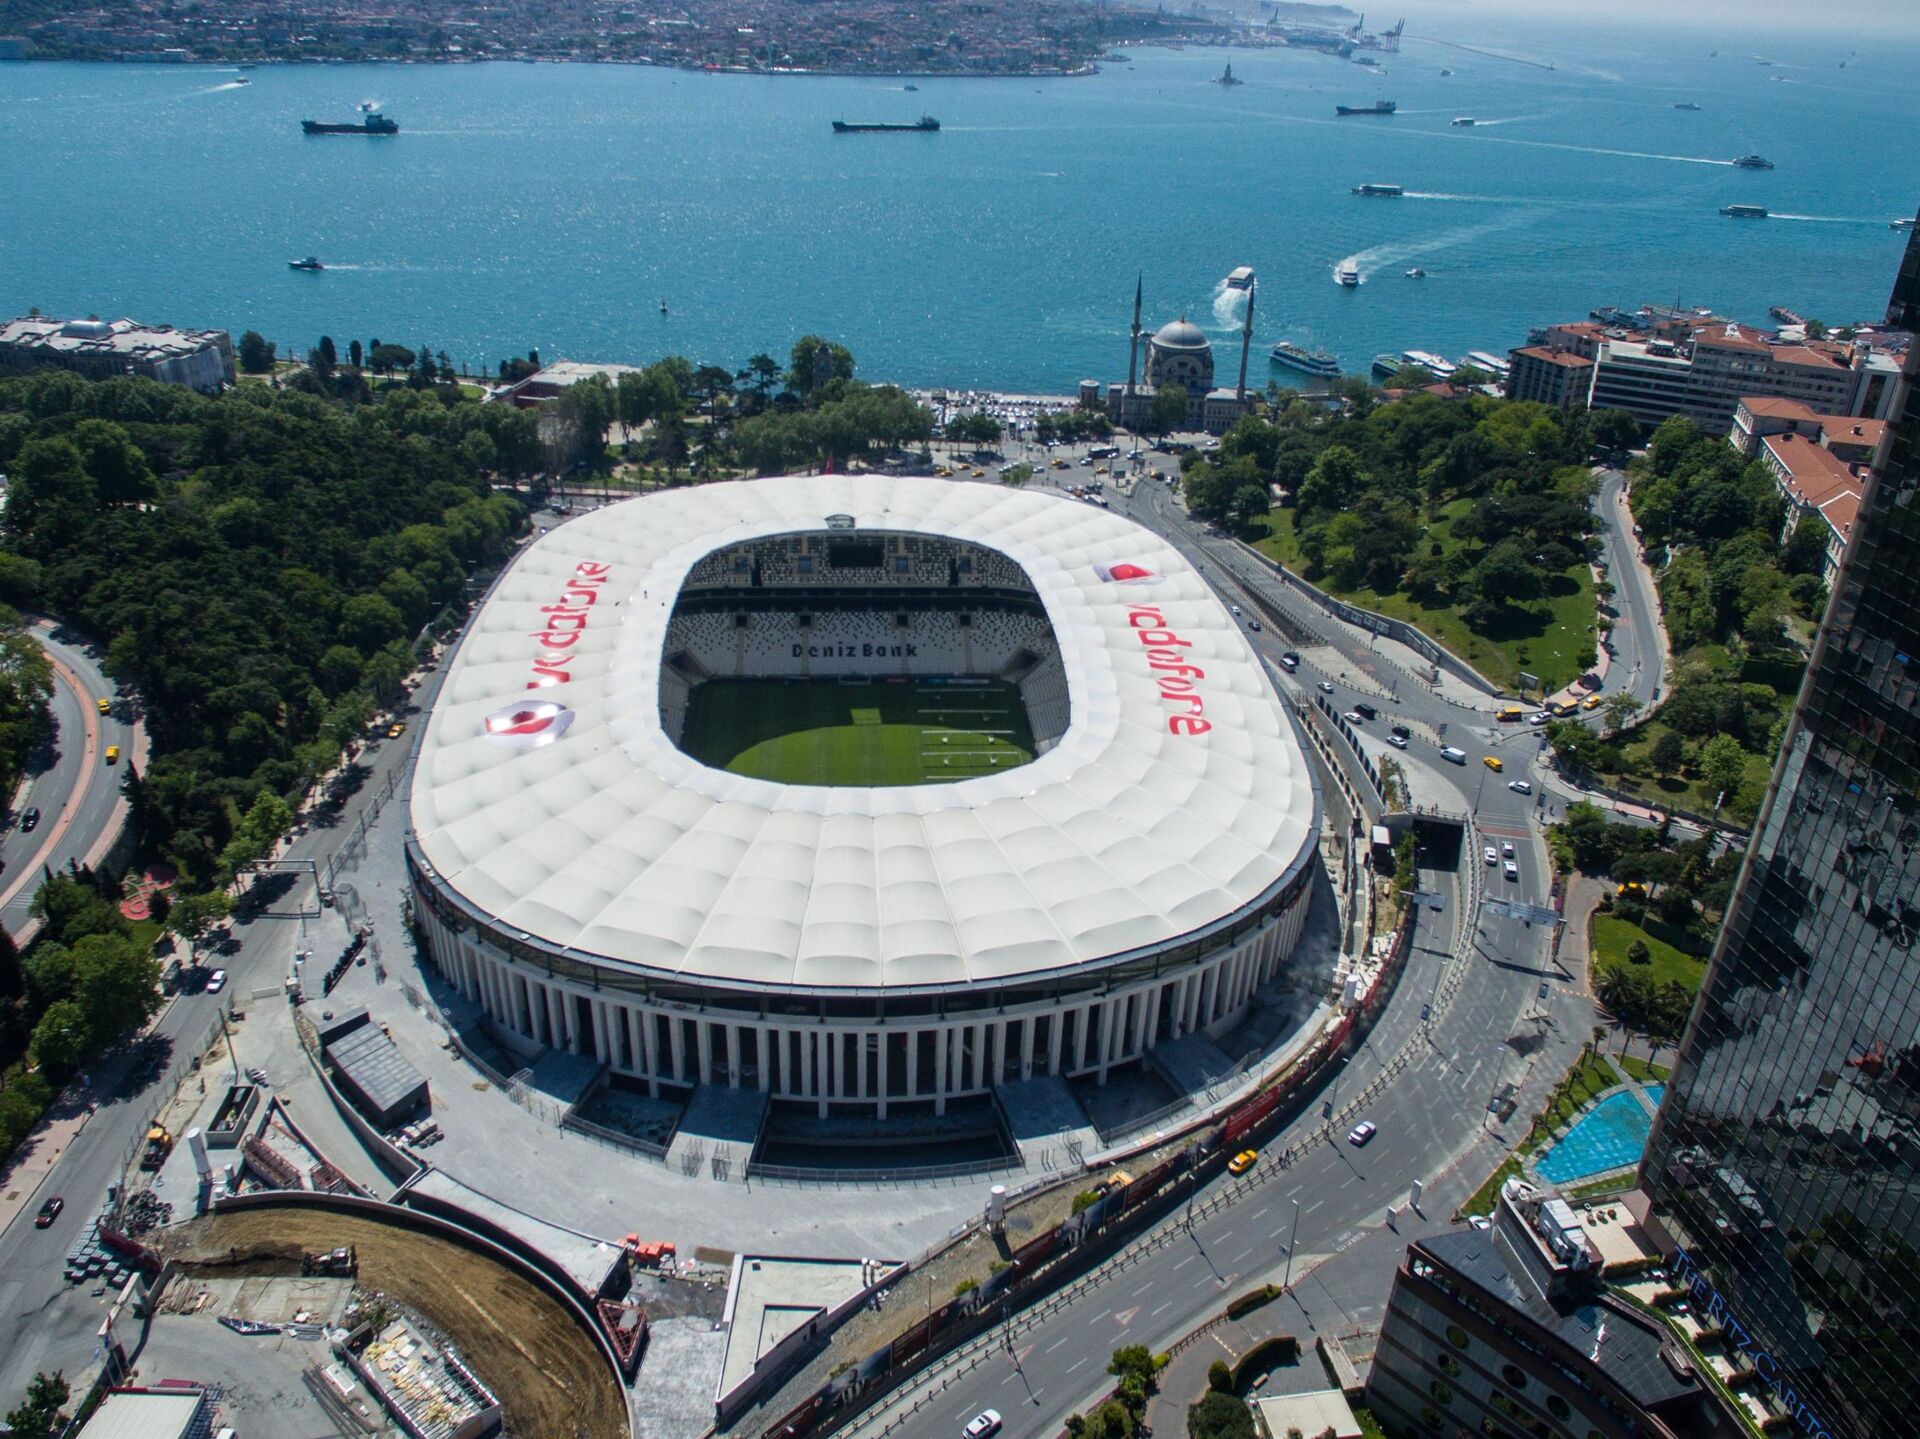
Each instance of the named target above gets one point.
<point>554,1021</point>
<point>488,997</point>
<point>1026,1046</point>
<point>806,1038</point>
<point>1056,1030</point>
<point>1143,1008</point>
<point>940,1085</point>
<point>880,1088</point>
<point>703,1048</point>
<point>838,1041</point>
<point>1152,1035</point>
<point>783,1051</point>
<point>979,1056</point>
<point>676,1042</point>
<point>519,1010</point>
<point>1081,1017</point>
<point>1106,1037</point>
<point>602,1041</point>
<point>913,1062</point>
<point>956,1058</point>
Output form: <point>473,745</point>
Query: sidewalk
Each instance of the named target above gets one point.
<point>39,1152</point>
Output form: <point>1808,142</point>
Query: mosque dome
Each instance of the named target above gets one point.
<point>1181,334</point>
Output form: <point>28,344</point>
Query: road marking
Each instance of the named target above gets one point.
<point>1056,1344</point>
<point>1313,1206</point>
<point>1076,1364</point>
<point>1184,1262</point>
<point>1124,1317</point>
<point>1153,1313</point>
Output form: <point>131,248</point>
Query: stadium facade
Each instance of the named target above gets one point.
<point>859,949</point>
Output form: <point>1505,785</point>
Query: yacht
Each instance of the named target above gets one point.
<point>1308,362</point>
<point>1348,275</point>
<point>1416,273</point>
<point>310,263</point>
<point>1899,224</point>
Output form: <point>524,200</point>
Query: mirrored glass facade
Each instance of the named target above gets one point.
<point>1783,1161</point>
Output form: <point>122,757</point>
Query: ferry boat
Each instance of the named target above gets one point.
<point>1348,276</point>
<point>1308,362</point>
<point>1241,278</point>
<point>310,263</point>
<point>1386,366</point>
<point>1465,120</point>
<point>1753,162</point>
<point>1685,105</point>
<point>1378,107</point>
<point>1386,192</point>
<point>1427,360</point>
<point>1489,362</point>
<point>1745,212</point>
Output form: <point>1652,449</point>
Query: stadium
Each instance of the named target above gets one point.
<point>871,794</point>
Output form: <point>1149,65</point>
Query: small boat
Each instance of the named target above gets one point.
<point>1241,278</point>
<point>1745,212</point>
<point>243,80</point>
<point>1308,362</point>
<point>1685,105</point>
<point>1416,273</point>
<point>310,263</point>
<point>1900,224</point>
<point>1753,162</point>
<point>913,89</point>
<point>663,307</point>
<point>1465,120</point>
<point>1387,192</point>
<point>1445,73</point>
<point>1348,275</point>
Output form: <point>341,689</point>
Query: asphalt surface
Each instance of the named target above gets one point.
<point>1638,659</point>
<point>45,1323</point>
<point>70,782</point>
<point>1448,1042</point>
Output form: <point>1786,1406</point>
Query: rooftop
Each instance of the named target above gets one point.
<point>1818,478</point>
<point>119,337</point>
<point>146,1414</point>
<point>1566,359</point>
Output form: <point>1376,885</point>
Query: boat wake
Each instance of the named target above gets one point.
<point>1825,219</point>
<point>1600,150</point>
<point>1229,308</point>
<point>1396,252</point>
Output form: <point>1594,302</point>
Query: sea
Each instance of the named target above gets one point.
<point>622,212</point>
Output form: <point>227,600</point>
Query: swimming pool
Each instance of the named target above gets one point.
<point>1612,1135</point>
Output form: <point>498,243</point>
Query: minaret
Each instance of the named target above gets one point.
<point>1133,347</point>
<point>1246,343</point>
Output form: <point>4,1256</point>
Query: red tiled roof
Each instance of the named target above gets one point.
<point>1801,355</point>
<point>1818,479</point>
<point>1776,407</point>
<point>1728,337</point>
<point>1565,358</point>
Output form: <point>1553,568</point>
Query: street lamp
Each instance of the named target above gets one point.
<point>1286,1281</point>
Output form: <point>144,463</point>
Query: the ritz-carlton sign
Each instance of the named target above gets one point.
<point>1712,1305</point>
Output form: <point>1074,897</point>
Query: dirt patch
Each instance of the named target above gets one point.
<point>553,1381</point>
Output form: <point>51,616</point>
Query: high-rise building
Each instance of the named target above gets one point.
<point>1783,1163</point>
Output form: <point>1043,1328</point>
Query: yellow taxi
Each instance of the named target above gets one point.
<point>113,754</point>
<point>104,706</point>
<point>395,730</point>
<point>979,474</point>
<point>1591,702</point>
<point>1492,762</point>
<point>1243,1161</point>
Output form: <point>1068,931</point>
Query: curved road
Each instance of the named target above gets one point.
<point>75,790</point>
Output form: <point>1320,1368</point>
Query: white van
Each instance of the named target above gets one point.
<point>1453,756</point>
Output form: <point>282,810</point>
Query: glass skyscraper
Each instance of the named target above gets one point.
<point>1784,1159</point>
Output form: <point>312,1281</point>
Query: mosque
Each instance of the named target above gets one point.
<point>1177,353</point>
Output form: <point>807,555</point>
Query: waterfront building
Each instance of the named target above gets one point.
<point>101,349</point>
<point>1511,1330</point>
<point>1180,354</point>
<point>1783,1160</point>
<point>1560,378</point>
<point>547,383</point>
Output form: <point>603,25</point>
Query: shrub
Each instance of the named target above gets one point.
<point>1219,1416</point>
<point>1638,953</point>
<point>1085,1199</point>
<point>1246,1303</point>
<point>1219,1377</point>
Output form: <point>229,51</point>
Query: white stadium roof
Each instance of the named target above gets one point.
<point>1145,823</point>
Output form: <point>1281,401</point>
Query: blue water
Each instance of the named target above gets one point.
<point>1611,1135</point>
<point>556,206</point>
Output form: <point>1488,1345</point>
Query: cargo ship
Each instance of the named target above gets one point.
<point>372,122</point>
<point>926,124</point>
<point>1308,362</point>
<point>1389,192</point>
<point>1378,107</point>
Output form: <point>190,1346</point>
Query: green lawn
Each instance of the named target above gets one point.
<point>1644,1070</point>
<point>829,732</point>
<point>1545,637</point>
<point>1610,937</point>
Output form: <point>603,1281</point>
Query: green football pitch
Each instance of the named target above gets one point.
<point>833,732</point>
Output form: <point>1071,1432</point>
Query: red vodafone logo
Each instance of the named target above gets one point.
<point>527,724</point>
<point>1125,573</point>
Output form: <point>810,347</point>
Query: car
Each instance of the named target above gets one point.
<point>1243,1161</point>
<point>1506,849</point>
<point>1398,741</point>
<point>29,818</point>
<point>1480,1221</point>
<point>986,1422</point>
<point>1511,870</point>
<point>49,1212</point>
<point>1400,730</point>
<point>1365,711</point>
<point>105,706</point>
<point>1233,609</point>
<point>216,981</point>
<point>1538,718</point>
<point>1354,717</point>
<point>1289,658</point>
<point>1493,763</point>
<point>113,754</point>
<point>1520,786</point>
<point>1362,1133</point>
<point>396,729</point>
<point>1325,688</point>
<point>1491,857</point>
<point>1254,625</point>
<point>1591,702</point>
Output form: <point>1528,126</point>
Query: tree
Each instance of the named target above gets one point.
<point>193,915</point>
<point>60,1039</point>
<point>40,1413</point>
<point>388,358</point>
<point>1169,409</point>
<point>1612,429</point>
<point>1722,764</point>
<point>354,353</point>
<point>1619,708</point>
<point>816,364</point>
<point>1219,1415</point>
<point>1638,953</point>
<point>256,354</point>
<point>1669,752</point>
<point>1220,1377</point>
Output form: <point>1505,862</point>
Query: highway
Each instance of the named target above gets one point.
<point>1456,1030</point>
<point>70,782</point>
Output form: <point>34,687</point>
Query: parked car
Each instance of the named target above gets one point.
<point>985,1423</point>
<point>1491,857</point>
<point>49,1212</point>
<point>1243,1161</point>
<point>1362,1133</point>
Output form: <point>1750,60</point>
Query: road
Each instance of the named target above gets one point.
<point>71,784</point>
<point>1425,1075</point>
<point>45,1323</point>
<point>1639,649</point>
